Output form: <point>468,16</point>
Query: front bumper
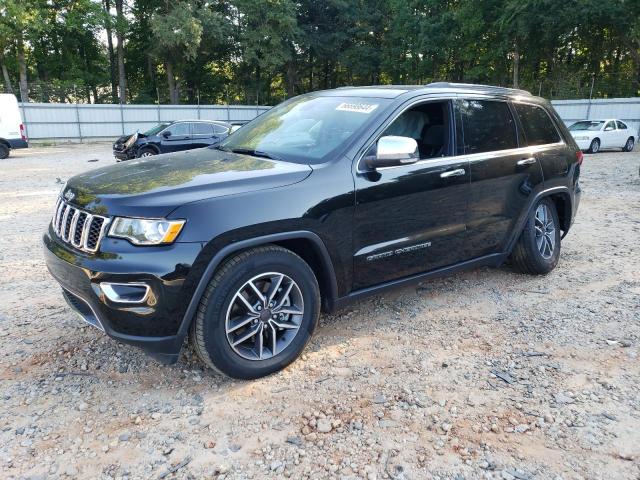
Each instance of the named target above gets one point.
<point>124,154</point>
<point>583,144</point>
<point>153,325</point>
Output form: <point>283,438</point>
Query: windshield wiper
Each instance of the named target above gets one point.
<point>254,153</point>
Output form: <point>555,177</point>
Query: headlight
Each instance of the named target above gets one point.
<point>581,138</point>
<point>142,231</point>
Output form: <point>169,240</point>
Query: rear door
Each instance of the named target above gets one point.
<point>504,172</point>
<point>622,134</point>
<point>202,134</point>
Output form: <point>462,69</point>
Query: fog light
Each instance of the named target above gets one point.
<point>125,292</point>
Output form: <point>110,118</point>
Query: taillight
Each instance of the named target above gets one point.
<point>22,134</point>
<point>579,157</point>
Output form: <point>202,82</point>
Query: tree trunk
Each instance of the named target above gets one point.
<point>5,75</point>
<point>122,78</point>
<point>22,68</point>
<point>171,82</point>
<point>291,78</point>
<point>516,64</point>
<point>112,53</point>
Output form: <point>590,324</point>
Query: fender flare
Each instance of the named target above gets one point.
<point>224,252</point>
<point>523,218</point>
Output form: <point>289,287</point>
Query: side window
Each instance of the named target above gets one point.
<point>179,129</point>
<point>610,126</point>
<point>428,124</point>
<point>219,129</point>
<point>621,126</point>
<point>537,125</point>
<point>487,126</point>
<point>201,129</point>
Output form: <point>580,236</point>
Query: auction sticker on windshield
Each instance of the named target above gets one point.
<point>357,107</point>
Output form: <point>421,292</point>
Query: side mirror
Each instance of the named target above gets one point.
<point>608,129</point>
<point>166,133</point>
<point>393,151</point>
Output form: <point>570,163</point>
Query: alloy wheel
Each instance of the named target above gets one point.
<point>146,154</point>
<point>264,316</point>
<point>545,231</point>
<point>629,145</point>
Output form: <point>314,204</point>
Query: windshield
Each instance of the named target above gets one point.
<point>156,129</point>
<point>305,129</point>
<point>586,125</point>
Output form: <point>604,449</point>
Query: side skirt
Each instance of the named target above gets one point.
<point>494,260</point>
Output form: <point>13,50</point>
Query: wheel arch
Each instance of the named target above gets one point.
<point>5,143</point>
<point>308,245</point>
<point>560,197</point>
<point>150,146</point>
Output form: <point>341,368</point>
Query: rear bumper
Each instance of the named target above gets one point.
<point>17,143</point>
<point>152,324</point>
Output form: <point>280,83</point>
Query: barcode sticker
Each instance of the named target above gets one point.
<point>357,107</point>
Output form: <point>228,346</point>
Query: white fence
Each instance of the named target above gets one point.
<point>80,122</point>
<point>71,122</point>
<point>625,109</point>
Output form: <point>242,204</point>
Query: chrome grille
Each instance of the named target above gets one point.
<point>78,228</point>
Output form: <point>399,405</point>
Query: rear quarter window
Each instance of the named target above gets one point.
<point>537,125</point>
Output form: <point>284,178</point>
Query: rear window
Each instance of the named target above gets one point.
<point>487,126</point>
<point>537,125</point>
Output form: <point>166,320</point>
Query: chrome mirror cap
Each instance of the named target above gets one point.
<point>393,150</point>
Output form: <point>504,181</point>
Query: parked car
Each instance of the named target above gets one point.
<point>594,135</point>
<point>12,133</point>
<point>239,246</point>
<point>171,137</point>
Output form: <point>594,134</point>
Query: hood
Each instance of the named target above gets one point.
<point>156,186</point>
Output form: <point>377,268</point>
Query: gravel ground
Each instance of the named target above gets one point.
<point>486,374</point>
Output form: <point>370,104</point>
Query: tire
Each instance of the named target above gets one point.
<point>146,152</point>
<point>538,249</point>
<point>595,146</point>
<point>223,318</point>
<point>628,147</point>
<point>4,151</point>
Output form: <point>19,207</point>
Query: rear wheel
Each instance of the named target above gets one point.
<point>4,151</point>
<point>595,146</point>
<point>628,147</point>
<point>538,249</point>
<point>146,152</point>
<point>257,313</point>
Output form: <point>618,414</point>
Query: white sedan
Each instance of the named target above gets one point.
<point>594,135</point>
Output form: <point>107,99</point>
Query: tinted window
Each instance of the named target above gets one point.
<point>201,129</point>
<point>621,126</point>
<point>487,126</point>
<point>537,125</point>
<point>179,129</point>
<point>219,129</point>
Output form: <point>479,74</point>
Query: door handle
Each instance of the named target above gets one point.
<point>527,161</point>
<point>453,173</point>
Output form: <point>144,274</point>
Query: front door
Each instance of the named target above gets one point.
<point>609,135</point>
<point>179,138</point>
<point>411,218</point>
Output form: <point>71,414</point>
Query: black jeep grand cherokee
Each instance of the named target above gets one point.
<point>324,199</point>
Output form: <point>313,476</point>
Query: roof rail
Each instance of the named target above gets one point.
<point>483,88</point>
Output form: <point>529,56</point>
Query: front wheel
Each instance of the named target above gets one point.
<point>538,249</point>
<point>257,313</point>
<point>595,146</point>
<point>146,152</point>
<point>628,147</point>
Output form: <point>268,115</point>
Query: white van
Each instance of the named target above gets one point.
<point>12,134</point>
